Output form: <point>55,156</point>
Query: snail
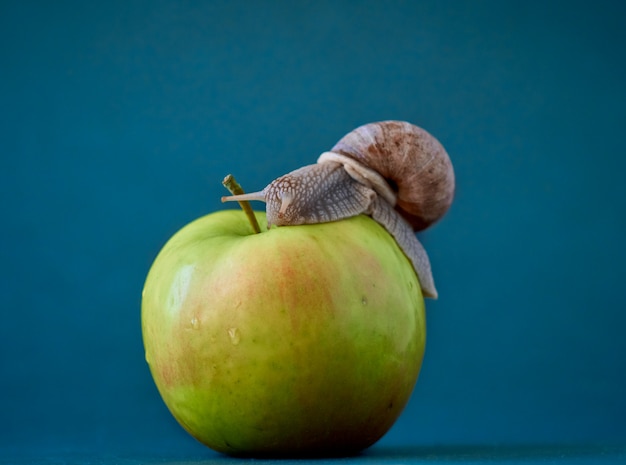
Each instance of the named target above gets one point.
<point>393,171</point>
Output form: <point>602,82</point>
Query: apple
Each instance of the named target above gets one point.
<point>298,340</point>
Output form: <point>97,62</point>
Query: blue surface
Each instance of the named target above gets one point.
<point>120,119</point>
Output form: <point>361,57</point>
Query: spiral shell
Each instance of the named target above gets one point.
<point>414,164</point>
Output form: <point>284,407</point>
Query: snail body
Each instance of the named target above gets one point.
<point>393,171</point>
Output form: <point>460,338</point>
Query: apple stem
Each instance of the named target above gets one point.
<point>235,189</point>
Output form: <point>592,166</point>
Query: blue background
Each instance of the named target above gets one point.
<point>120,119</point>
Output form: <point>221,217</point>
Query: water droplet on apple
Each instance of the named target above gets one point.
<point>364,300</point>
<point>233,334</point>
<point>195,323</point>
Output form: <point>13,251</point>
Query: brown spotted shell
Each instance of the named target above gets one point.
<point>412,161</point>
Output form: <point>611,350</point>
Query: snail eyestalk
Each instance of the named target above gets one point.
<point>234,188</point>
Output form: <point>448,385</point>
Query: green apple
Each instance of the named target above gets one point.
<point>298,340</point>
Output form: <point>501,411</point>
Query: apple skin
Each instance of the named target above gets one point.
<point>295,341</point>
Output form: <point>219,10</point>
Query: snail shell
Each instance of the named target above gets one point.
<point>413,163</point>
